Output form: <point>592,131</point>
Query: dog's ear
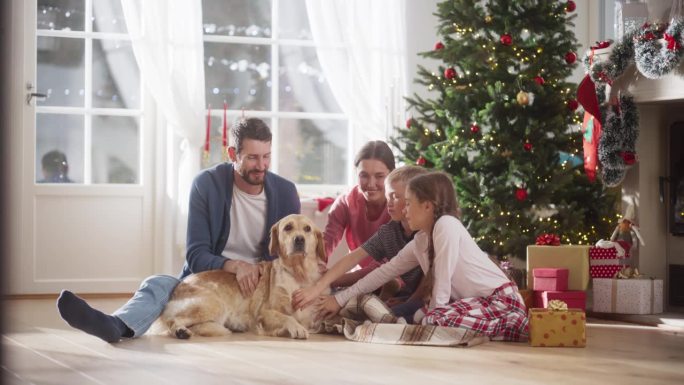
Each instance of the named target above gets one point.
<point>274,245</point>
<point>320,246</point>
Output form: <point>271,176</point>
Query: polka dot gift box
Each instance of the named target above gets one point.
<point>605,262</point>
<point>558,326</point>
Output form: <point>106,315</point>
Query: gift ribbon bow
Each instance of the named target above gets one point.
<point>627,273</point>
<point>672,43</point>
<point>548,239</point>
<point>558,305</point>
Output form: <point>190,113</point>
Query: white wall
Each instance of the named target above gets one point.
<point>421,36</point>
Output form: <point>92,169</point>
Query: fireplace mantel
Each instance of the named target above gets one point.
<point>668,88</point>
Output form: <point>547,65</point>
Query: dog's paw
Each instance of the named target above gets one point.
<point>183,333</point>
<point>297,331</point>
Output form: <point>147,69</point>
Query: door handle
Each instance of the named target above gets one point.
<point>38,95</point>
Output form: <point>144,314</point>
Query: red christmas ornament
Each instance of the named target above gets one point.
<point>506,39</point>
<point>408,122</point>
<point>570,57</point>
<point>474,128</point>
<point>439,46</point>
<point>539,80</point>
<point>628,157</point>
<point>520,194</point>
<point>527,146</point>
<point>420,161</point>
<point>450,73</point>
<point>573,104</point>
<point>570,6</point>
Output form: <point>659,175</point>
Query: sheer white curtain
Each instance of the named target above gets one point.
<point>363,55</point>
<point>168,46</point>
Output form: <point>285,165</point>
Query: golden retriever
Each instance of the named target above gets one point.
<point>210,303</point>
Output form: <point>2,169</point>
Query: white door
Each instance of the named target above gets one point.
<point>86,186</point>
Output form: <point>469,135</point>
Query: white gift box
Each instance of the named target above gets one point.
<point>628,296</point>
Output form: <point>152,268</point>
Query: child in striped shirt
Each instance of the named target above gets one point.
<point>382,246</point>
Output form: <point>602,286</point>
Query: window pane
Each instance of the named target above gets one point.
<point>108,17</point>
<point>59,148</point>
<point>60,15</point>
<point>116,78</point>
<point>61,71</point>
<point>294,21</point>
<point>240,74</point>
<point>313,151</point>
<point>303,86</point>
<point>237,17</point>
<point>116,149</point>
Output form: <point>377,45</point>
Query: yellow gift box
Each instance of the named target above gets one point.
<point>557,326</point>
<point>575,258</point>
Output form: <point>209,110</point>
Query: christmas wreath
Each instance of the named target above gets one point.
<point>653,58</point>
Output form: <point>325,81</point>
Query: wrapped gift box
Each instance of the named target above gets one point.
<point>604,271</point>
<point>628,296</point>
<point>596,252</point>
<point>573,258</point>
<point>575,299</point>
<point>564,328</point>
<point>604,262</point>
<point>527,296</point>
<point>551,279</point>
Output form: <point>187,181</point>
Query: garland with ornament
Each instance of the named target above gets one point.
<point>619,119</point>
<point>617,145</point>
<point>642,46</point>
<point>653,58</point>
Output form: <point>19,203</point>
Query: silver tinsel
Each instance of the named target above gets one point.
<point>619,136</point>
<point>653,58</point>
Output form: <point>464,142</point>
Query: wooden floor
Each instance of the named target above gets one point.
<point>41,349</point>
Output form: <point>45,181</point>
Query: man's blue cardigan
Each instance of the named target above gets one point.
<point>209,215</point>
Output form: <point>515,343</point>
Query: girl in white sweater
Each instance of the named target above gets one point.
<point>466,288</point>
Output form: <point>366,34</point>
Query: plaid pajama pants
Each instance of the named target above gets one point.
<point>501,316</point>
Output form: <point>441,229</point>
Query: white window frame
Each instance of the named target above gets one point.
<point>274,114</point>
<point>87,35</point>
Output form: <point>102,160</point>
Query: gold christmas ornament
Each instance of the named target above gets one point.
<point>522,98</point>
<point>488,19</point>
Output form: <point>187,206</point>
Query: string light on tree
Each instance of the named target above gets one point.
<point>502,57</point>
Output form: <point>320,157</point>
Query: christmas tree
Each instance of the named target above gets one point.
<point>503,122</point>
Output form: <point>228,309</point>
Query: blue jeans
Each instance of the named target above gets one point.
<point>147,303</point>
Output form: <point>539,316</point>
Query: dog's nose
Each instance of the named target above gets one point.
<point>299,240</point>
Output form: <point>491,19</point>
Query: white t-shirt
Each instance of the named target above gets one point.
<point>247,221</point>
<point>462,270</point>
